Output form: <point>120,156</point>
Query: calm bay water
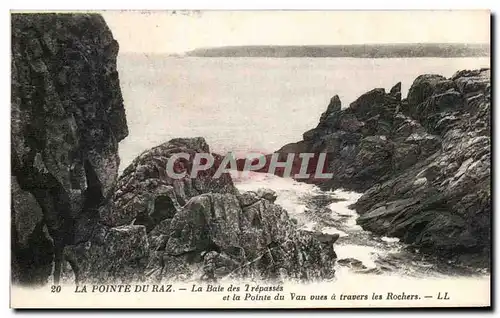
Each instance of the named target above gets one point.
<point>251,104</point>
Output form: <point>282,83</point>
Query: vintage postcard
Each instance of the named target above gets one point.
<point>250,159</point>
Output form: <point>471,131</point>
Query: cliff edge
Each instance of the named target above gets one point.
<point>423,163</point>
<point>67,117</point>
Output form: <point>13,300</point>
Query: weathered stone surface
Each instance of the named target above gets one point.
<point>267,194</point>
<point>423,162</point>
<point>360,140</point>
<point>257,240</point>
<point>67,117</point>
<point>146,191</point>
<point>118,254</point>
<point>67,120</point>
<point>442,203</point>
<point>27,214</point>
<point>334,107</point>
<point>208,225</point>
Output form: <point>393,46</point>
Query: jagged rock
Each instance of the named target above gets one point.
<point>326,238</point>
<point>373,159</point>
<point>146,190</point>
<point>334,107</point>
<point>191,229</point>
<point>404,126</point>
<point>424,86</point>
<point>422,162</point>
<point>427,143</point>
<point>27,214</point>
<point>118,254</point>
<point>441,203</point>
<point>248,198</point>
<point>351,262</point>
<point>472,81</point>
<point>433,110</point>
<point>67,117</point>
<point>375,102</point>
<point>267,194</point>
<point>311,135</point>
<point>334,142</point>
<point>396,91</point>
<point>376,126</point>
<point>357,140</point>
<point>373,149</point>
<point>218,230</point>
<point>404,156</point>
<point>432,98</point>
<point>349,123</point>
<point>258,240</point>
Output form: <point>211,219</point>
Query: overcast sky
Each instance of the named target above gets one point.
<point>164,32</point>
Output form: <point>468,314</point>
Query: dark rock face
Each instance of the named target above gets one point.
<point>68,208</point>
<point>118,254</point>
<point>259,240</point>
<point>442,203</point>
<point>359,139</point>
<point>67,118</point>
<point>146,191</point>
<point>423,162</point>
<point>204,225</point>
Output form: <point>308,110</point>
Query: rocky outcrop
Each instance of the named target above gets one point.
<point>442,203</point>
<point>358,140</point>
<point>422,162</point>
<point>67,117</point>
<point>71,213</point>
<point>147,193</point>
<point>203,228</point>
<point>233,239</point>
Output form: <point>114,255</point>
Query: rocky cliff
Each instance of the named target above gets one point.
<point>164,229</point>
<point>423,162</point>
<point>67,117</point>
<point>204,228</point>
<point>72,215</point>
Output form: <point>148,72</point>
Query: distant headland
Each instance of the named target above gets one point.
<point>354,50</point>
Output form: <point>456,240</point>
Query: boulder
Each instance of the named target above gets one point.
<point>145,190</point>
<point>257,240</point>
<point>267,194</point>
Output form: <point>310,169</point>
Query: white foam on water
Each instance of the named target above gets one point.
<point>290,192</point>
<point>333,230</point>
<point>365,254</point>
<point>341,208</point>
<point>389,239</point>
<point>293,195</point>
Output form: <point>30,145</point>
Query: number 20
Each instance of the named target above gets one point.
<point>55,289</point>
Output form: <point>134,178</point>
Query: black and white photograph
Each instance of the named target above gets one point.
<point>250,159</point>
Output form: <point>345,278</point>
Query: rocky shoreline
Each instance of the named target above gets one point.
<point>68,205</point>
<point>423,163</point>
